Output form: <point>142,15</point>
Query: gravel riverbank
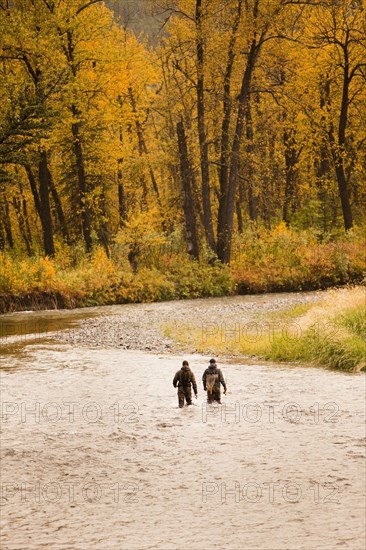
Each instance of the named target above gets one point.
<point>142,326</point>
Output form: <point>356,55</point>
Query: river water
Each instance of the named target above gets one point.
<point>97,455</point>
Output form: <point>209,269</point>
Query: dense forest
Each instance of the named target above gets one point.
<point>185,123</point>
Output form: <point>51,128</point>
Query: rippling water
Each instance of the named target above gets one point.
<point>96,455</point>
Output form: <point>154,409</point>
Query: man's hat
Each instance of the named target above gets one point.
<point>212,361</point>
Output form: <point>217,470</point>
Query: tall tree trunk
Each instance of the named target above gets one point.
<point>83,190</point>
<point>188,206</point>
<point>239,215</point>
<point>59,209</point>
<point>21,223</point>
<point>26,220</point>
<point>338,146</point>
<point>322,165</point>
<point>46,219</point>
<point>41,197</point>
<point>76,127</point>
<point>205,176</point>
<point>225,127</point>
<point>142,146</point>
<point>226,228</point>
<point>26,217</point>
<point>291,159</point>
<point>343,192</point>
<point>267,198</point>
<point>122,207</point>
<point>33,186</point>
<point>122,210</point>
<point>2,235</point>
<point>6,221</point>
<point>103,230</point>
<point>252,201</point>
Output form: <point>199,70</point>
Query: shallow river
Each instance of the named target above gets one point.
<point>96,454</point>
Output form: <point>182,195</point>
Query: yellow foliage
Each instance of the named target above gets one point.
<point>48,269</point>
<point>281,229</point>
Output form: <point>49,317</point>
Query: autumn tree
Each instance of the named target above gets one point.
<point>242,113</point>
<point>339,29</point>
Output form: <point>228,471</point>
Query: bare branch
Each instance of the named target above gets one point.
<point>87,5</point>
<point>175,10</point>
<point>353,73</point>
<point>49,6</point>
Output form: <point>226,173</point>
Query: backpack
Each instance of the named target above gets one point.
<point>210,381</point>
<point>184,378</point>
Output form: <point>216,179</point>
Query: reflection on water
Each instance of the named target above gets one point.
<point>96,454</point>
<point>25,326</point>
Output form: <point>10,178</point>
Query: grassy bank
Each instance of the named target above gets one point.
<point>263,261</point>
<point>330,333</point>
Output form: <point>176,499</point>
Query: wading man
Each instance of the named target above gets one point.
<point>185,379</point>
<point>212,379</point>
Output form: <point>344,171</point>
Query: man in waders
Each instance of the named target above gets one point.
<point>185,378</point>
<point>212,379</point>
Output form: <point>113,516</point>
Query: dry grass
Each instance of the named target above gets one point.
<point>330,333</point>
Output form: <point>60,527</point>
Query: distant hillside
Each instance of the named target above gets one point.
<point>139,16</point>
